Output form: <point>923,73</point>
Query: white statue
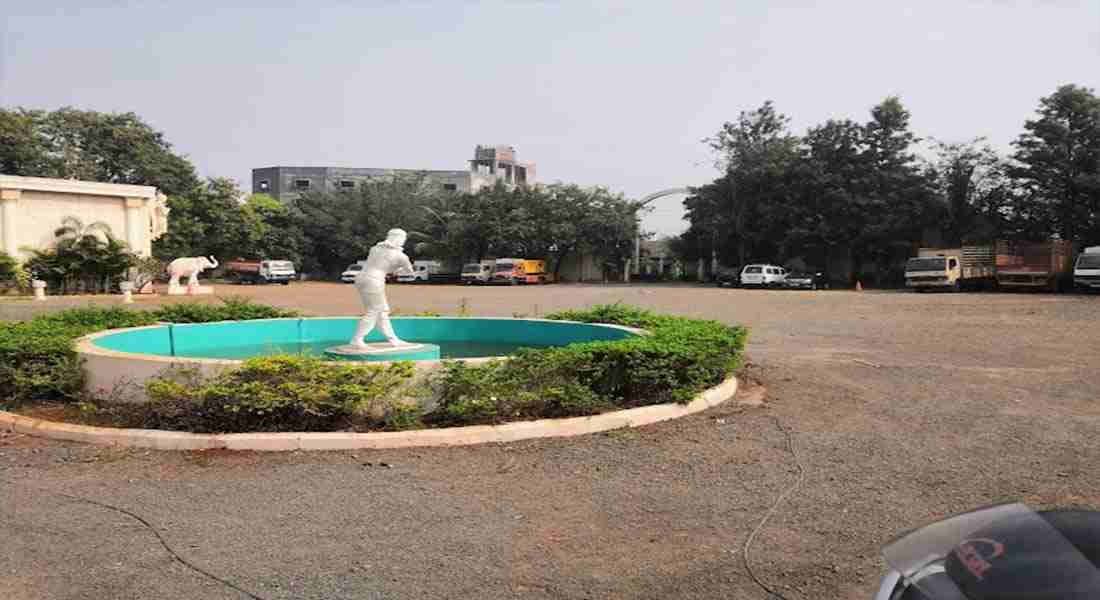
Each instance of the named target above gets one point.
<point>385,257</point>
<point>191,267</point>
<point>158,217</point>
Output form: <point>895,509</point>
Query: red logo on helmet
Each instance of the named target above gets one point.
<point>975,554</point>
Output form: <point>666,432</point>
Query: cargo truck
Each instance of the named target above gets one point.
<point>260,271</point>
<point>478,273</point>
<point>1034,265</point>
<point>1086,273</point>
<point>950,269</point>
<point>514,271</point>
<point>429,271</point>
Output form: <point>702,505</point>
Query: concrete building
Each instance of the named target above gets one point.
<point>32,208</point>
<point>489,165</point>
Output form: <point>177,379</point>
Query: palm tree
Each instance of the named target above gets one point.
<point>83,256</point>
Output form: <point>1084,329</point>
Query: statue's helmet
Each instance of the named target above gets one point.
<point>396,237</point>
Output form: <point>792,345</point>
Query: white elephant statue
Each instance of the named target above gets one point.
<point>191,267</point>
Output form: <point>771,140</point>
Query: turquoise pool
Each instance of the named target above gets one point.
<point>455,337</point>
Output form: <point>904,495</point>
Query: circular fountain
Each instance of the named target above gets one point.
<point>134,355</point>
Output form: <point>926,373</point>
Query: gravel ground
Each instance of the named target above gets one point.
<point>902,408</point>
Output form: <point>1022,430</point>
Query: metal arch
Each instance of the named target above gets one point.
<point>662,194</point>
<point>638,238</point>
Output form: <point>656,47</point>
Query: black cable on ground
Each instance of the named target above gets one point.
<point>745,551</point>
<point>175,555</point>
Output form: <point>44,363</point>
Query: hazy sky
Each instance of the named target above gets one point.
<point>617,95</point>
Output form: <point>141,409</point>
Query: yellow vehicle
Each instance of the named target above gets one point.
<point>514,271</point>
<point>950,268</point>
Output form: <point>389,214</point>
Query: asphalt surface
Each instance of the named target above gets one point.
<point>901,408</point>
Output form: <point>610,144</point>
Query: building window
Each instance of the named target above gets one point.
<point>450,187</point>
<point>346,184</point>
<point>301,184</point>
<point>264,185</point>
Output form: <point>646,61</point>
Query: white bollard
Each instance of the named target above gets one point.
<point>127,288</point>
<point>39,289</point>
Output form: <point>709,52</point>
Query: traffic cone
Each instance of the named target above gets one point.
<point>859,286</point>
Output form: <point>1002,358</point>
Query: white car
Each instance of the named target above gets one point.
<point>763,275</point>
<point>348,276</point>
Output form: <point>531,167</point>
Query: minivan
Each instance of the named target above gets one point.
<point>763,275</point>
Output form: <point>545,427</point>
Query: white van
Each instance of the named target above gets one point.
<point>763,275</point>
<point>1086,273</point>
<point>422,271</point>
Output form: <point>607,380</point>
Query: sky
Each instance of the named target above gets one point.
<point>618,94</point>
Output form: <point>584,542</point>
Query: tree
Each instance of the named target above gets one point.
<point>83,257</point>
<point>210,220</point>
<point>277,231</point>
<point>754,153</point>
<point>1059,164</point>
<point>972,181</point>
<point>22,150</point>
<point>79,144</point>
<point>340,227</point>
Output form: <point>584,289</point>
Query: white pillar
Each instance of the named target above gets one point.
<point>133,225</point>
<point>661,266</point>
<point>701,272</point>
<point>638,248</point>
<point>8,200</point>
<point>626,271</point>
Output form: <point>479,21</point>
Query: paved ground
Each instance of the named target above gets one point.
<point>902,407</point>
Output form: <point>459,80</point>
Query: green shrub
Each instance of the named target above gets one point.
<point>38,360</point>
<point>680,358</point>
<point>232,308</point>
<point>8,267</point>
<point>277,393</point>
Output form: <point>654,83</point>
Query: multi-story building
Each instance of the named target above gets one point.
<point>489,165</point>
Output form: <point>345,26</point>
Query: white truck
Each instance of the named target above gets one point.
<point>1086,272</point>
<point>951,268</point>
<point>478,273</point>
<point>260,271</point>
<point>422,271</point>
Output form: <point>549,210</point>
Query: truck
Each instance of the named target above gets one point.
<point>477,273</point>
<point>260,271</point>
<point>1086,272</point>
<point>950,268</point>
<point>1034,265</point>
<point>429,271</point>
<point>514,271</point>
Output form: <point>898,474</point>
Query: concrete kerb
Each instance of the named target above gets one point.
<point>452,436</point>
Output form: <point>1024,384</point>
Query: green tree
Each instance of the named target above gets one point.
<point>211,220</point>
<point>1059,166</point>
<point>340,227</point>
<point>89,145</point>
<point>972,181</point>
<point>754,152</point>
<point>83,257</point>
<point>22,150</point>
<point>276,230</point>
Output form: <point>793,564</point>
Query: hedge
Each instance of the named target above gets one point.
<point>38,361</point>
<point>678,359</point>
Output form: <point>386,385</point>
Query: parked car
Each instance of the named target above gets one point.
<point>348,276</point>
<point>763,275</point>
<point>802,280</point>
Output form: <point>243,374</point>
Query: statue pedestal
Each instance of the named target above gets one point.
<point>383,351</point>
<point>198,290</point>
